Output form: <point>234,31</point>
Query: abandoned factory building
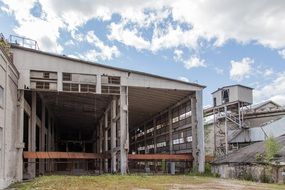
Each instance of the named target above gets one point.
<point>64,114</point>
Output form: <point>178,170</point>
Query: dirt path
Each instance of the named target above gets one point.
<point>218,185</point>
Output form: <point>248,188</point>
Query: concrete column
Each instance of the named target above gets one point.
<point>113,136</point>
<point>154,142</point>
<point>154,135</point>
<point>42,137</point>
<point>194,130</point>
<point>49,133</point>
<point>32,136</point>
<point>98,85</point>
<point>59,81</point>
<point>106,140</point>
<point>124,138</point>
<point>20,129</point>
<point>172,164</point>
<point>200,131</point>
<point>50,164</point>
<point>100,143</point>
<point>95,139</point>
<point>52,135</point>
<point>147,169</point>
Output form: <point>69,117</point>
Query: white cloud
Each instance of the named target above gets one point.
<point>224,20</point>
<point>193,62</point>
<point>215,22</point>
<point>183,79</point>
<point>268,72</point>
<point>241,69</point>
<point>77,36</point>
<point>173,37</point>
<point>280,99</point>
<point>44,31</point>
<point>177,55</point>
<point>127,36</point>
<point>105,52</point>
<point>219,71</point>
<point>282,53</point>
<point>69,43</point>
<point>274,90</point>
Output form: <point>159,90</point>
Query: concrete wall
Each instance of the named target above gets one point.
<point>255,172</point>
<point>245,94</point>
<point>10,145</point>
<point>236,93</point>
<point>26,60</point>
<point>209,140</point>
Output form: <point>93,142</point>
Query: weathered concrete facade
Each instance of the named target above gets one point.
<point>250,163</point>
<point>252,172</point>
<point>10,131</point>
<point>61,105</point>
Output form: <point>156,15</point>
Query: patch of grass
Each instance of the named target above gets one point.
<point>136,182</point>
<point>207,173</point>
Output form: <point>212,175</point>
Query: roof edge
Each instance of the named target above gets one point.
<point>240,85</point>
<point>14,46</point>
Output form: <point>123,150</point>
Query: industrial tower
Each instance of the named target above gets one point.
<point>229,105</point>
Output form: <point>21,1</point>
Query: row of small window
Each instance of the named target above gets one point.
<point>163,144</point>
<point>160,126</point>
<point>71,87</point>
<point>104,79</point>
<point>110,80</point>
<point>43,75</point>
<point>181,117</point>
<point>43,85</point>
<point>182,140</point>
<point>75,77</point>
<point>110,89</point>
<point>151,146</point>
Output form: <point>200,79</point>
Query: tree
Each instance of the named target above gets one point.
<point>272,147</point>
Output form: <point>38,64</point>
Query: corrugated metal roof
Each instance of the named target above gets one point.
<point>274,128</point>
<point>247,155</point>
<point>261,104</point>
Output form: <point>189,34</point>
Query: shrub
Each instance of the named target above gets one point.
<point>207,173</point>
<point>264,178</point>
<point>259,157</point>
<point>272,148</point>
<point>246,176</point>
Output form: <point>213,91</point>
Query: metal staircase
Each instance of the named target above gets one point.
<point>228,125</point>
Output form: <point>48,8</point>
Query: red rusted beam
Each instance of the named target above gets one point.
<point>209,158</point>
<point>42,155</point>
<point>184,157</point>
<point>30,155</point>
<point>62,155</point>
<point>83,155</point>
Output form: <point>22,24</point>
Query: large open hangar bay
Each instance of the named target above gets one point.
<point>80,117</point>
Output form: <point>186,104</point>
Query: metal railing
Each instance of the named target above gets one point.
<point>24,42</point>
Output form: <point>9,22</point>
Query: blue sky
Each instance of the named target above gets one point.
<point>213,43</point>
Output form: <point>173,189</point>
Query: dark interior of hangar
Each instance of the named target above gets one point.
<point>159,123</point>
